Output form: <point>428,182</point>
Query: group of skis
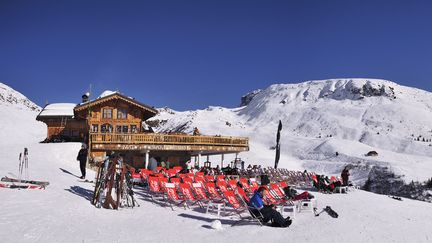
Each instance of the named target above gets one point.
<point>113,187</point>
<point>18,182</point>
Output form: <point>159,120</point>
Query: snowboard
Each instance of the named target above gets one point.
<point>328,210</point>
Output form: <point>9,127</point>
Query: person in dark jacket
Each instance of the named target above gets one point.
<point>82,158</point>
<point>267,211</point>
<point>345,175</point>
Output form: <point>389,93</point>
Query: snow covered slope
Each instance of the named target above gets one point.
<point>18,123</point>
<point>347,116</point>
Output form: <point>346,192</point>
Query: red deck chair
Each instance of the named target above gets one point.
<point>278,193</point>
<point>188,195</point>
<point>245,185</point>
<point>222,185</point>
<point>177,168</point>
<point>188,180</point>
<point>283,184</point>
<point>242,194</point>
<point>162,181</point>
<point>200,192</point>
<point>159,168</point>
<point>202,197</point>
<point>173,197</point>
<point>209,178</point>
<point>220,178</point>
<point>212,191</point>
<point>333,179</point>
<point>182,176</point>
<point>175,181</point>
<point>171,172</point>
<point>200,180</point>
<point>155,189</point>
<point>199,174</point>
<point>282,204</point>
<point>240,207</point>
<point>233,184</point>
<point>272,198</point>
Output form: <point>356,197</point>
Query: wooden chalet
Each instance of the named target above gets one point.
<point>115,122</point>
<point>62,127</point>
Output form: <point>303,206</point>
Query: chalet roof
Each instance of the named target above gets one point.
<point>58,109</point>
<point>109,95</point>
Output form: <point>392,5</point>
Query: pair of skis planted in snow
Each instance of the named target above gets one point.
<point>18,182</point>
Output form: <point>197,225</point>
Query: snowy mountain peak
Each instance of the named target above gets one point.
<point>11,97</point>
<point>337,89</point>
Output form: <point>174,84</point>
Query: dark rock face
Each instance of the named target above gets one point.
<point>246,99</point>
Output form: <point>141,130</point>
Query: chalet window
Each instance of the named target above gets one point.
<point>122,129</point>
<point>95,128</point>
<point>134,129</point>
<point>106,128</point>
<point>122,113</point>
<point>107,113</point>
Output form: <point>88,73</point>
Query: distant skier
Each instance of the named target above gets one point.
<point>82,158</point>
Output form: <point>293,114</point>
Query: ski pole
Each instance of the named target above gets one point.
<point>26,163</point>
<point>19,167</point>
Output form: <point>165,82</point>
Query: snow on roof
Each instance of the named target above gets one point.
<point>106,93</point>
<point>58,109</point>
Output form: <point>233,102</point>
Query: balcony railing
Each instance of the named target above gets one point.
<point>166,139</point>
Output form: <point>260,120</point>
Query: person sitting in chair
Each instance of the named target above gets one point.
<point>292,193</point>
<point>267,211</point>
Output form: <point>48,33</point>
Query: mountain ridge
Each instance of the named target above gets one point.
<point>327,124</point>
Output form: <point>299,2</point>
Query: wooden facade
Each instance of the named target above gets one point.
<point>65,128</point>
<point>114,123</point>
<point>114,114</point>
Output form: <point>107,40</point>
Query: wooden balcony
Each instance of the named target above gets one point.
<point>160,141</point>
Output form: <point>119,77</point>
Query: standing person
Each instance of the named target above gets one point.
<point>345,175</point>
<point>82,158</point>
<point>267,211</point>
<point>152,165</point>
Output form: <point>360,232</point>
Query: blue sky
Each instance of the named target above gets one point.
<point>193,54</point>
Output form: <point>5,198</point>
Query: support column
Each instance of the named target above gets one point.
<point>199,159</point>
<point>147,158</point>
<point>222,160</point>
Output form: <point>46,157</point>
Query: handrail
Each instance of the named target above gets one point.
<point>161,138</point>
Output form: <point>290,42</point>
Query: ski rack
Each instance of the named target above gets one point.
<point>112,187</point>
